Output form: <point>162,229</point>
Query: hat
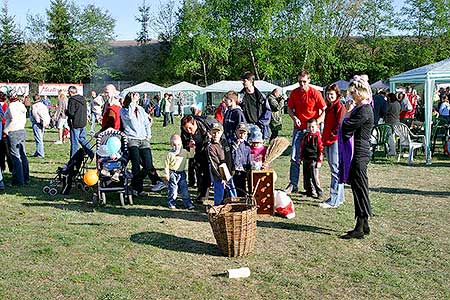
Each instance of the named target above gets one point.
<point>257,137</point>
<point>242,127</point>
<point>216,126</point>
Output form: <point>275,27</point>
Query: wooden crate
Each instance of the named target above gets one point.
<point>262,184</point>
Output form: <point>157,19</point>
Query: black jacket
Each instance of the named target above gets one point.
<point>77,112</point>
<point>359,125</point>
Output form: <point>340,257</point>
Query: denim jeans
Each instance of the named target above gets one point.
<point>78,137</point>
<point>38,131</point>
<point>294,171</point>
<point>336,189</point>
<point>20,173</point>
<point>93,121</point>
<point>219,190</point>
<point>178,183</point>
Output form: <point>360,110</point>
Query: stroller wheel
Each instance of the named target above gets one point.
<point>130,199</point>
<point>46,189</point>
<point>122,201</point>
<point>80,186</point>
<point>53,191</point>
<point>95,199</point>
<point>86,188</point>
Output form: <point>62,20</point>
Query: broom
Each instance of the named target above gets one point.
<point>275,149</point>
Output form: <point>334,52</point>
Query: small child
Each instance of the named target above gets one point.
<point>257,150</point>
<point>312,157</point>
<point>240,150</point>
<point>175,171</point>
<point>111,165</point>
<point>221,164</point>
<point>233,116</point>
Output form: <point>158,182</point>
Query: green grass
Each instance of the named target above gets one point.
<point>63,248</point>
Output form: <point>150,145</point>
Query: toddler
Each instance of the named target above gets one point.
<point>240,150</point>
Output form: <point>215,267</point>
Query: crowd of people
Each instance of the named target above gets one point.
<point>220,152</point>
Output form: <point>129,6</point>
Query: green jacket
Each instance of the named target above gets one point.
<point>277,106</point>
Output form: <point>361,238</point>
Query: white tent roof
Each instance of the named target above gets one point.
<point>184,86</point>
<point>342,84</point>
<point>429,75</point>
<point>379,85</point>
<point>228,85</point>
<point>144,87</point>
<point>296,85</point>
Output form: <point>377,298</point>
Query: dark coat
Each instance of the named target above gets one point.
<point>77,112</point>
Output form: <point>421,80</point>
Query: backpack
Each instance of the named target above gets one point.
<point>405,104</point>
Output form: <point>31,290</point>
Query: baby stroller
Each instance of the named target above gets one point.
<point>112,173</point>
<point>71,172</point>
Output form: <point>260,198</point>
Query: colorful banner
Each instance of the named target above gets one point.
<point>51,89</point>
<point>21,89</point>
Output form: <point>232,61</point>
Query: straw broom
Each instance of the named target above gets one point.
<point>275,149</point>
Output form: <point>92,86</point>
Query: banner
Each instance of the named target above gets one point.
<point>51,89</point>
<point>21,89</point>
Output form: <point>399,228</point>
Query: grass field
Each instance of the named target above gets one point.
<point>63,248</point>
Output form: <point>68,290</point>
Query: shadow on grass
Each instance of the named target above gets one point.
<point>293,226</point>
<point>175,243</point>
<point>389,190</point>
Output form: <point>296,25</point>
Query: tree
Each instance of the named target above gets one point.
<point>143,36</point>
<point>166,21</point>
<point>11,47</point>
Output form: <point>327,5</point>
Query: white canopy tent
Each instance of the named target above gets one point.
<point>379,85</point>
<point>429,75</point>
<point>144,87</point>
<point>188,94</point>
<point>227,85</point>
<point>342,84</point>
<point>291,87</point>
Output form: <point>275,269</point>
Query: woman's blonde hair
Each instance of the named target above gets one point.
<point>62,94</point>
<point>359,87</point>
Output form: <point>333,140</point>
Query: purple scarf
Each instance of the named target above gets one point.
<point>345,156</point>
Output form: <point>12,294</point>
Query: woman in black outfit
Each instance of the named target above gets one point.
<point>358,123</point>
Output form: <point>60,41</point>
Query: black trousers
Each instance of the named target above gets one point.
<point>166,119</point>
<point>191,173</point>
<point>311,181</point>
<point>241,182</point>
<point>360,187</point>
<point>4,154</point>
<point>203,175</point>
<point>274,131</point>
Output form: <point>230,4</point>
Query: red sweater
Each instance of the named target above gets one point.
<point>111,118</point>
<point>333,116</point>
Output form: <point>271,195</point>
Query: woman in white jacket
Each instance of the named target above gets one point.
<point>40,119</point>
<point>16,117</point>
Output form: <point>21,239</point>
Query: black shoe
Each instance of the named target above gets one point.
<point>353,234</point>
<point>366,228</point>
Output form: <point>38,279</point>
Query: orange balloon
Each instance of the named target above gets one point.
<point>90,177</point>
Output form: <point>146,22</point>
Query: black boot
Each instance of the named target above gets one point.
<point>366,227</point>
<point>356,233</point>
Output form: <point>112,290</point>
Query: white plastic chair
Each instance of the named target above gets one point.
<point>406,141</point>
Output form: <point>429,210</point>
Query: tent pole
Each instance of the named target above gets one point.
<point>428,101</point>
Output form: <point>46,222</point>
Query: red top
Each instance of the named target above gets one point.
<point>333,117</point>
<point>111,122</point>
<point>312,147</point>
<point>220,112</point>
<point>410,114</point>
<point>4,108</point>
<point>306,105</point>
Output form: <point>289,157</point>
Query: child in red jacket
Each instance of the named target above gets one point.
<point>312,157</point>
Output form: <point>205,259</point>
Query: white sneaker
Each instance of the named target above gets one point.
<point>326,205</point>
<point>158,186</point>
<point>58,143</point>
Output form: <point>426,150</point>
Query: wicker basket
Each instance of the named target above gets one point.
<point>234,228</point>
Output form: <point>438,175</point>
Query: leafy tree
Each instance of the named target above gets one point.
<point>143,36</point>
<point>11,47</point>
<point>165,22</point>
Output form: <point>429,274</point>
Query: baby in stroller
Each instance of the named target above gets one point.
<point>112,159</point>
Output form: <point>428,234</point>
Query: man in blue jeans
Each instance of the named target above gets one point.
<point>304,103</point>
<point>77,119</point>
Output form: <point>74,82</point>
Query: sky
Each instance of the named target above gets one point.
<point>123,11</point>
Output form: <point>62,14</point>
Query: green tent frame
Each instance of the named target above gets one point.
<point>429,75</point>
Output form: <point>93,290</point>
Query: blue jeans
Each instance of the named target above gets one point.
<point>294,171</point>
<point>38,131</point>
<point>78,136</point>
<point>20,172</point>
<point>93,121</point>
<point>219,190</point>
<point>178,182</point>
<point>336,189</point>
<point>2,184</point>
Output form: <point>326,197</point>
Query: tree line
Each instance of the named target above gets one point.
<point>206,40</point>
